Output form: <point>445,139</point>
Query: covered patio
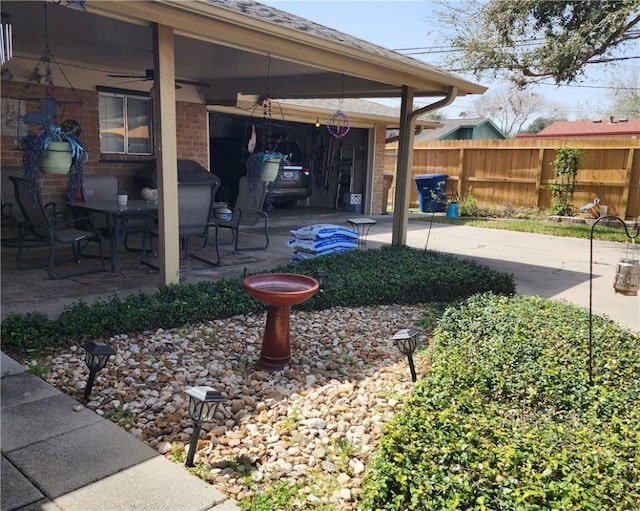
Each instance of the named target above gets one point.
<point>217,51</point>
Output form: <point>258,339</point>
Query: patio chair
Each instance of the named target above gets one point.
<point>10,212</point>
<point>195,206</point>
<point>247,213</point>
<point>51,230</point>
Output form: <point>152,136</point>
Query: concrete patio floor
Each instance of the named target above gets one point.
<point>543,265</point>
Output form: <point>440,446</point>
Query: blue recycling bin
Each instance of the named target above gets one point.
<point>432,192</point>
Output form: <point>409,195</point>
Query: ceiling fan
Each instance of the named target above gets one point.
<point>149,75</point>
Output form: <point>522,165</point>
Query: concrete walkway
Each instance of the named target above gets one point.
<point>60,456</point>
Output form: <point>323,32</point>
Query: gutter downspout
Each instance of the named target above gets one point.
<point>405,158</point>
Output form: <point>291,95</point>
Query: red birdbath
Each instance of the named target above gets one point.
<point>278,291</point>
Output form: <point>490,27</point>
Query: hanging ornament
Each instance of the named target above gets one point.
<point>627,279</point>
<point>71,126</point>
<point>251,146</point>
<point>339,124</point>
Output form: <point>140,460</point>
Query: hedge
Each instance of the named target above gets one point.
<point>507,420</point>
<point>391,274</point>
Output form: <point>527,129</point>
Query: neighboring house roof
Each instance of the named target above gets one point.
<point>450,126</point>
<point>446,127</point>
<point>620,128</point>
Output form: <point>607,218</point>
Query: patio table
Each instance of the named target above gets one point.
<point>117,217</point>
<point>362,227</point>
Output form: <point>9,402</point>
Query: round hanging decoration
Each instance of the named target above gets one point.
<point>339,124</point>
<point>71,126</point>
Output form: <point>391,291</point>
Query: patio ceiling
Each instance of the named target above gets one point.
<point>230,45</point>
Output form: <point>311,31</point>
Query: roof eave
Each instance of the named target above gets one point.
<point>220,25</point>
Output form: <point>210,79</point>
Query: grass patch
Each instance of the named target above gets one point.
<point>278,497</point>
<point>562,229</point>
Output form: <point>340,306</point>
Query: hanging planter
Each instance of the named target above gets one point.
<point>53,149</point>
<point>56,159</point>
<point>270,169</point>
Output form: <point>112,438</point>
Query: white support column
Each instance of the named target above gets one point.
<point>403,172</point>
<point>166,153</point>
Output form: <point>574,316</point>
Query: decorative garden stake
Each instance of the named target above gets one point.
<point>627,279</point>
<point>96,355</point>
<point>203,403</point>
<point>406,342</point>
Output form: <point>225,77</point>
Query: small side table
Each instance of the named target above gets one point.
<point>361,226</point>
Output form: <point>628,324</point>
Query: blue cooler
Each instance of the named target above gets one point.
<point>453,211</point>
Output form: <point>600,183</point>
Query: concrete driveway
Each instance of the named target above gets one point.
<point>547,266</point>
<point>542,265</point>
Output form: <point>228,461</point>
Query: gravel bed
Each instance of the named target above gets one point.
<point>317,422</point>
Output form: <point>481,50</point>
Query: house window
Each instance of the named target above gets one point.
<point>125,123</point>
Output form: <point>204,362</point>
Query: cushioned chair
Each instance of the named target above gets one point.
<point>247,213</point>
<point>195,206</point>
<point>36,221</point>
<point>99,187</point>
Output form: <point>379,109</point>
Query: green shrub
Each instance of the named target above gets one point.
<point>506,418</point>
<point>388,275</point>
<point>566,165</point>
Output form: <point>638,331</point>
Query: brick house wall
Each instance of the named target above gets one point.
<point>379,135</point>
<point>192,138</point>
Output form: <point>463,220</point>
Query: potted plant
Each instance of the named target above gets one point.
<point>53,149</point>
<point>270,165</point>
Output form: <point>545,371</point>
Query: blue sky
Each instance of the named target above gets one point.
<point>410,24</point>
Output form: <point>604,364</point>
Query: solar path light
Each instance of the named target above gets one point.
<point>406,342</point>
<point>321,276</point>
<point>96,356</point>
<point>203,403</point>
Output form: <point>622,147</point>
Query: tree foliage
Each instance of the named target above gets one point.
<point>538,124</point>
<point>508,107</point>
<point>530,40</point>
<point>625,96</point>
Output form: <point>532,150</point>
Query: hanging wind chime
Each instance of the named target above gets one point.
<point>6,41</point>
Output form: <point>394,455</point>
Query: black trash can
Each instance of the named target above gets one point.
<point>432,192</point>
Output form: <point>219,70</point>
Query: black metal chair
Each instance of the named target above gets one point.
<point>10,213</point>
<point>50,230</point>
<point>247,213</point>
<point>195,206</point>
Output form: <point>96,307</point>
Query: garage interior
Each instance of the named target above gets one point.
<point>337,165</point>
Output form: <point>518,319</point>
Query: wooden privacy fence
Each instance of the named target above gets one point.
<point>518,172</point>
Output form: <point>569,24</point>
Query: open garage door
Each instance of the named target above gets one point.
<point>321,172</point>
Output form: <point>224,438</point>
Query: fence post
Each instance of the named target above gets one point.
<point>462,175</point>
<point>539,177</point>
<point>625,192</point>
